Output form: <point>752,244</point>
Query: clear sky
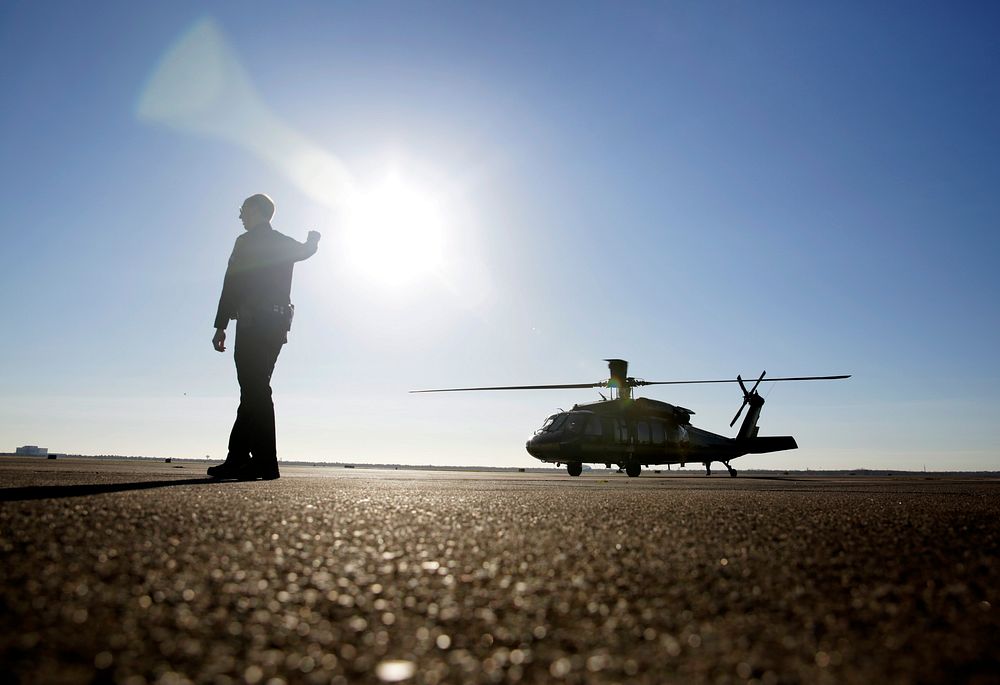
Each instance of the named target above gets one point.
<point>704,189</point>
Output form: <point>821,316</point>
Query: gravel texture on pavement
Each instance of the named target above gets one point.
<point>148,573</point>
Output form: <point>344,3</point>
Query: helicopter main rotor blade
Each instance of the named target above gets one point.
<point>734,380</point>
<point>522,387</point>
<point>604,384</point>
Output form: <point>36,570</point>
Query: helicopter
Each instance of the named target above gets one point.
<point>637,432</point>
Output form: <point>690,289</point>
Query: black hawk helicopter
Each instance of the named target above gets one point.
<point>636,432</point>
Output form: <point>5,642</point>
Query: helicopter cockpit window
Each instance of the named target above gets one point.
<point>593,427</point>
<point>575,423</point>
<point>553,423</point>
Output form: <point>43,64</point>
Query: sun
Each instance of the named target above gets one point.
<point>394,233</point>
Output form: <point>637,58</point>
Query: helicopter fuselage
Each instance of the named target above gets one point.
<point>642,432</point>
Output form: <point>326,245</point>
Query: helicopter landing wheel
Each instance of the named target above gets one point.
<point>633,470</point>
<point>574,468</point>
<point>732,471</point>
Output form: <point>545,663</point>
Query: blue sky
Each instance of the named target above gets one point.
<point>703,189</point>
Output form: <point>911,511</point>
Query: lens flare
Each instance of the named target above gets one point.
<point>200,87</point>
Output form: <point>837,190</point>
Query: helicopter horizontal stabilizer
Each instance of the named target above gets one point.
<point>776,443</point>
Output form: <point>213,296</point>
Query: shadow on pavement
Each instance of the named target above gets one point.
<point>34,492</point>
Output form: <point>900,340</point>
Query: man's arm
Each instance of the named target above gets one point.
<point>295,251</point>
<point>228,302</point>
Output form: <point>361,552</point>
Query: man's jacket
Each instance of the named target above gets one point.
<point>259,274</point>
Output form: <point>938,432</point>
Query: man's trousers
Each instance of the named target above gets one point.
<point>258,343</point>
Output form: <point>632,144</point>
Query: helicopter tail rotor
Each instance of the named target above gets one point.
<point>746,396</point>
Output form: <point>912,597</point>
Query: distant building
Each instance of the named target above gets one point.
<point>32,451</point>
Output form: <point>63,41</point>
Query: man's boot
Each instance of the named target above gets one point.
<point>229,469</point>
<point>257,469</point>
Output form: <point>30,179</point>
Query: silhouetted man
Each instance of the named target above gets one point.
<point>256,292</point>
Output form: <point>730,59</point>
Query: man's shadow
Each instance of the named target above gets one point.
<point>34,492</point>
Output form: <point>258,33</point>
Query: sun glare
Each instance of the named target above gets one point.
<point>394,233</point>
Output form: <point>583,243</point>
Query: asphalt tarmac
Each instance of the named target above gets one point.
<point>144,572</point>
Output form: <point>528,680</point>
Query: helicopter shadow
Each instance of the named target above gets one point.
<point>37,492</point>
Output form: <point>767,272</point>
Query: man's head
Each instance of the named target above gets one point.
<point>257,209</point>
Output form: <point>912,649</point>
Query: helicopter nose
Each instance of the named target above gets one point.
<point>542,447</point>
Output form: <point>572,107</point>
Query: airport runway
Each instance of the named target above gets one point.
<point>145,572</point>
